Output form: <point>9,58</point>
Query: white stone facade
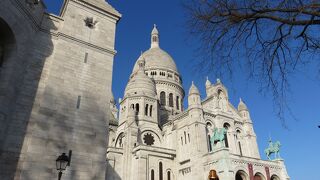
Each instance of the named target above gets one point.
<point>155,139</point>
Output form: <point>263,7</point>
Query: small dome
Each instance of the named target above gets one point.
<point>242,106</point>
<point>193,89</point>
<point>156,58</point>
<point>140,83</point>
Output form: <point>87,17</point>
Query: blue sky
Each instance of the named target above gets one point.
<point>300,142</point>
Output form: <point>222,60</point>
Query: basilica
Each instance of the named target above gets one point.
<point>155,138</point>
<point>59,121</point>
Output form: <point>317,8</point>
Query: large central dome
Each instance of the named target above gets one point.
<point>156,58</point>
<point>162,70</point>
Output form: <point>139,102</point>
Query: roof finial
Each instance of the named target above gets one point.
<point>154,37</point>
<point>208,83</point>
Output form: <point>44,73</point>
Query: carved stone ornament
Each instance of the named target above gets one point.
<point>90,22</point>
<point>148,139</point>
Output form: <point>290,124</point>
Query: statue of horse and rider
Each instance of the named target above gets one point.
<point>218,136</point>
<point>273,148</point>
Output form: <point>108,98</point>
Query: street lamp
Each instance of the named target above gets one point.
<point>62,162</point>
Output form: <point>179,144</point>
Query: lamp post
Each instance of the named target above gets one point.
<point>62,162</point>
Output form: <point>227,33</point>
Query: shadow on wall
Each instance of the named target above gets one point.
<point>111,174</point>
<point>24,48</point>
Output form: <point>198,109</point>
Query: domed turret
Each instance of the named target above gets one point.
<point>193,89</point>
<point>194,99</point>
<point>243,110</point>
<point>242,106</point>
<point>140,83</point>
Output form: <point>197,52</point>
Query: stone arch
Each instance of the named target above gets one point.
<point>241,175</point>
<point>119,140</point>
<point>7,42</point>
<point>274,177</point>
<point>259,176</point>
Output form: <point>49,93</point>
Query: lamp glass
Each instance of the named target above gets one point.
<point>62,162</point>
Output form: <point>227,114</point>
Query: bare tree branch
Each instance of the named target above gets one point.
<point>273,39</point>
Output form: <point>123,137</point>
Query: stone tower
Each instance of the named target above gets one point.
<point>55,79</point>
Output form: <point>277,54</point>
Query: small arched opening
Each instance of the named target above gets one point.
<point>146,110</point>
<point>275,177</point>
<point>259,176</point>
<point>137,109</point>
<point>160,171</point>
<point>241,175</point>
<point>238,135</point>
<point>209,128</point>
<point>163,98</point>
<point>177,102</point>
<point>227,127</point>
<point>171,100</point>
<point>169,175</point>
<point>152,174</point>
<point>150,111</point>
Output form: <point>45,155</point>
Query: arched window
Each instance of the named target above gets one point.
<point>208,131</point>
<point>189,137</point>
<point>146,110</point>
<point>132,106</point>
<point>154,39</point>
<point>185,137</point>
<point>168,175</point>
<point>171,100</point>
<point>177,102</point>
<point>152,174</point>
<point>150,112</point>
<point>181,141</point>
<point>226,126</point>
<point>238,134</point>
<point>160,171</point>
<point>163,98</point>
<point>137,109</point>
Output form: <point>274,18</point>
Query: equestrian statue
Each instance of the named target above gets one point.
<point>218,136</point>
<point>273,148</point>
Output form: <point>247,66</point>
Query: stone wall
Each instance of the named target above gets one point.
<point>55,90</point>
